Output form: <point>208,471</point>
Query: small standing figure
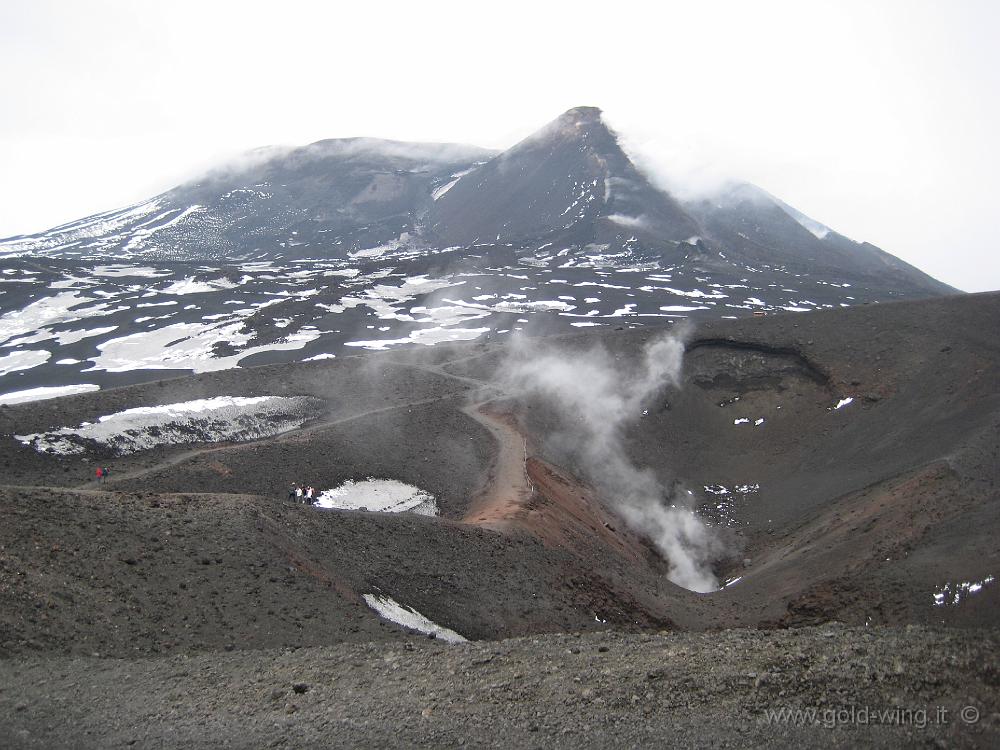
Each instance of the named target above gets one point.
<point>309,495</point>
<point>291,491</point>
<point>100,474</point>
<point>107,472</point>
<point>298,492</point>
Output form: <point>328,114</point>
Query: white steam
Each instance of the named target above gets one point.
<point>600,395</point>
<point>682,168</point>
<point>693,171</point>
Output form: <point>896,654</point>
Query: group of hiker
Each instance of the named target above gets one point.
<point>300,494</point>
<point>103,472</point>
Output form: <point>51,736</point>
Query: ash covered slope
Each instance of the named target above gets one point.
<point>703,690</point>
<point>871,511</point>
<point>761,230</point>
<point>569,183</point>
<point>852,454</point>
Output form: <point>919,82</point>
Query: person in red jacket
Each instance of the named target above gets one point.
<point>100,475</point>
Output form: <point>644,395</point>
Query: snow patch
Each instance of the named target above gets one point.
<point>952,594</point>
<point>190,286</point>
<point>438,192</point>
<point>207,420</point>
<point>681,308</point>
<point>47,311</point>
<point>40,394</point>
<point>71,337</point>
<point>425,336</point>
<point>23,360</point>
<point>379,496</point>
<point>188,346</point>
<point>120,271</point>
<point>410,618</point>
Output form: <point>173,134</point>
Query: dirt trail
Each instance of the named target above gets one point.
<point>508,487</point>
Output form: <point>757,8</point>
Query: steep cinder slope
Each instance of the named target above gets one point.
<point>121,574</point>
<point>862,512</point>
<point>570,182</point>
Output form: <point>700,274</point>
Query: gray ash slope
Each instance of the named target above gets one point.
<point>882,511</point>
<point>593,690</point>
<point>366,244</point>
<point>329,197</point>
<point>235,615</point>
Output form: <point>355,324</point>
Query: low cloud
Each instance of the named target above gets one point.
<point>679,169</point>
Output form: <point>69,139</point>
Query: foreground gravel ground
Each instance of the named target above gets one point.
<point>889,687</point>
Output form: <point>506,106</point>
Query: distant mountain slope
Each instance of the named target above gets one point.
<point>760,229</point>
<point>327,198</point>
<point>293,254</point>
<point>569,185</point>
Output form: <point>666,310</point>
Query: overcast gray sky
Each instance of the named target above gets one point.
<point>879,119</point>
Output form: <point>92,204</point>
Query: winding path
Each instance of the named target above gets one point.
<point>507,486</point>
<point>505,490</point>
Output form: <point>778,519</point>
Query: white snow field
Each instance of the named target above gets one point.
<point>214,419</point>
<point>40,394</point>
<point>22,360</point>
<point>379,495</point>
<point>408,617</point>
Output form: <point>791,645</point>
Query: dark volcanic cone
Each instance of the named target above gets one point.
<point>570,182</point>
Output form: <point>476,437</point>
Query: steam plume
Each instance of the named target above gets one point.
<point>599,396</point>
